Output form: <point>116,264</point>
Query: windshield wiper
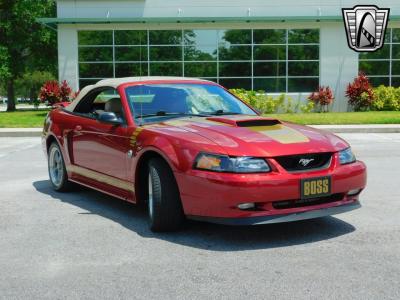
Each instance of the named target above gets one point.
<point>163,113</point>
<point>221,112</point>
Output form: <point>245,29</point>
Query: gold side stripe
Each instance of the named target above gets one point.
<point>281,133</point>
<point>134,135</point>
<point>102,178</point>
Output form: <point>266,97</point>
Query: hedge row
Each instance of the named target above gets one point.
<point>267,104</point>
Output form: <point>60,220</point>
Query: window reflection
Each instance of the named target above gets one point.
<point>235,53</point>
<point>303,68</point>
<point>165,53</point>
<point>133,53</point>
<point>269,52</point>
<point>95,70</point>
<point>274,60</point>
<point>95,53</point>
<point>302,84</point>
<point>166,69</point>
<point>270,69</point>
<point>271,85</point>
<point>94,37</point>
<point>234,69</point>
<point>130,69</point>
<point>269,36</point>
<point>130,37</point>
<point>383,65</point>
<point>201,69</point>
<point>200,53</point>
<point>234,37</point>
<point>165,37</point>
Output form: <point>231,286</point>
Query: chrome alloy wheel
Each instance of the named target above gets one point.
<point>56,169</point>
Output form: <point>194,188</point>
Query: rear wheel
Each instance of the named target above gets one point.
<point>164,203</point>
<point>57,171</point>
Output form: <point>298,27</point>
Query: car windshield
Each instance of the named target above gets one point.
<point>155,102</point>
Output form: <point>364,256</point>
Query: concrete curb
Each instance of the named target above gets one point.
<point>379,128</point>
<point>20,132</point>
<point>373,128</point>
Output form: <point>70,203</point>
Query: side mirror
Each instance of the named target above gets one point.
<point>109,117</point>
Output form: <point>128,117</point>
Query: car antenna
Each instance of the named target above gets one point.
<point>141,113</point>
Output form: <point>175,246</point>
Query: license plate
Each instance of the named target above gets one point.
<point>315,187</point>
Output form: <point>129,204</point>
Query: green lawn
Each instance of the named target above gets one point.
<point>30,118</point>
<point>370,117</point>
<point>35,118</point>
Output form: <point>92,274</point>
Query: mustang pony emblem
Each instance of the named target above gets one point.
<point>305,161</point>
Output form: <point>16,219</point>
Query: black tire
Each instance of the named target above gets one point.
<point>164,203</point>
<point>62,184</point>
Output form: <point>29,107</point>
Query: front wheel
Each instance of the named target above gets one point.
<point>164,203</point>
<point>57,171</point>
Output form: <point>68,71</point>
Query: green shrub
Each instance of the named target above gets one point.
<point>267,104</point>
<point>289,107</point>
<point>386,98</point>
<point>307,108</point>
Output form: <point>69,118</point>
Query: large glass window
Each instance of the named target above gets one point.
<point>286,60</point>
<point>383,65</point>
<point>200,45</point>
<point>273,60</point>
<point>302,60</point>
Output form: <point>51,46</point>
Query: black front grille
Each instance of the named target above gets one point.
<point>303,162</point>
<point>306,202</point>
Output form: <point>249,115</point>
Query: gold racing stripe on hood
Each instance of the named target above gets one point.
<point>281,133</point>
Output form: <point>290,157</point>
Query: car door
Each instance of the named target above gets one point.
<point>97,146</point>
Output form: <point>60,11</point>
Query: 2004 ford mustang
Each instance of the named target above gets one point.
<point>188,148</point>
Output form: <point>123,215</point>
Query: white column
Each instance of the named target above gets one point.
<point>338,63</point>
<point>68,56</point>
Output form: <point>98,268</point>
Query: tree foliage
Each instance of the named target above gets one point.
<point>29,84</point>
<point>25,45</point>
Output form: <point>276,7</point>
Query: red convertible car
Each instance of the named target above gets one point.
<point>187,148</point>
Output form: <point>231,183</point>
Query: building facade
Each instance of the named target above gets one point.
<point>278,47</point>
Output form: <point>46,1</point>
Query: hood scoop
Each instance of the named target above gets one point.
<point>243,122</point>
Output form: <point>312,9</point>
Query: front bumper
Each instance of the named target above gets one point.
<point>282,218</point>
<point>216,196</point>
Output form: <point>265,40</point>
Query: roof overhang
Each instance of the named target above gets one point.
<point>53,22</point>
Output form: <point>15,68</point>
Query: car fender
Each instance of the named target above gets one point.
<point>55,132</point>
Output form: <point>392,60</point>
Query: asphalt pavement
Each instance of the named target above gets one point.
<point>88,245</point>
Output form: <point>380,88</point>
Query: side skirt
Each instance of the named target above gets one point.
<point>100,190</point>
<point>103,183</point>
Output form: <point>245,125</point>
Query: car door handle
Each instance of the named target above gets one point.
<point>78,128</point>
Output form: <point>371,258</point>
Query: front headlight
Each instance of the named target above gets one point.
<point>224,163</point>
<point>346,156</point>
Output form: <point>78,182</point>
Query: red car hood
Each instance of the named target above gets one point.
<point>260,136</point>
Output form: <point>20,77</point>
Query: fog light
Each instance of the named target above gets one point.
<point>353,192</point>
<point>245,206</point>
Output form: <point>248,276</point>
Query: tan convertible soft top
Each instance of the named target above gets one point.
<point>116,82</point>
